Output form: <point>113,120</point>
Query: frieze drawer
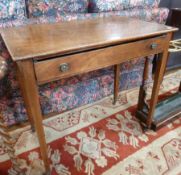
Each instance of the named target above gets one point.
<point>66,66</point>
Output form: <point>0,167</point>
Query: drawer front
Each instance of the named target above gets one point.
<point>66,66</point>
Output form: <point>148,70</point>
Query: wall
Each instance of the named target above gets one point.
<point>170,3</point>
<point>176,3</point>
<point>165,3</point>
<point>174,59</point>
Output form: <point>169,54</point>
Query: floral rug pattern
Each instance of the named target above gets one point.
<point>102,138</point>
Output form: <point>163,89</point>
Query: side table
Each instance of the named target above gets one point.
<point>63,50</point>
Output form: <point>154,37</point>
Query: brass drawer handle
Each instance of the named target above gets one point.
<point>64,67</point>
<point>154,46</point>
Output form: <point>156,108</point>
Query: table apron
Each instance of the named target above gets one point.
<point>65,66</point>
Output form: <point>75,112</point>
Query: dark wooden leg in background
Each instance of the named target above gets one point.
<point>142,92</point>
<point>158,77</point>
<point>30,91</point>
<point>116,82</point>
<point>180,87</point>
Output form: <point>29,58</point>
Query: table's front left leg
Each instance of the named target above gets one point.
<point>158,77</point>
<point>30,117</point>
<point>32,103</point>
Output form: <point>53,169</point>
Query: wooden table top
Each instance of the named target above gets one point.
<point>45,40</point>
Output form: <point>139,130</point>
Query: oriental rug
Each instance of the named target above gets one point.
<point>102,139</point>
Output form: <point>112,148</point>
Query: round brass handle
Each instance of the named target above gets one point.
<point>64,67</point>
<point>154,46</point>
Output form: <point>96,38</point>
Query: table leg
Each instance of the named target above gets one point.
<point>116,82</point>
<point>158,77</point>
<point>30,91</point>
<point>142,92</point>
<point>30,117</point>
<point>179,87</point>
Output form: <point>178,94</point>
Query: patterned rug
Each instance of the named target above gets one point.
<point>102,138</point>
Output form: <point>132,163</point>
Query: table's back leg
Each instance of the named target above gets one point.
<point>158,77</point>
<point>31,94</point>
<point>116,82</point>
<point>179,87</point>
<point>142,92</point>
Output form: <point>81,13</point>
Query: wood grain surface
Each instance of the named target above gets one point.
<point>44,40</point>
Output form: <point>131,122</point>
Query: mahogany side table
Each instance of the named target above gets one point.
<point>49,52</point>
